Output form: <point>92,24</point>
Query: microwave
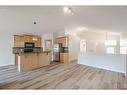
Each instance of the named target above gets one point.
<point>29,45</point>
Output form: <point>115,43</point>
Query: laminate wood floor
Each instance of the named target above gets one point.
<point>61,76</point>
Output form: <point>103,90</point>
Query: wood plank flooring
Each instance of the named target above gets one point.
<point>61,76</point>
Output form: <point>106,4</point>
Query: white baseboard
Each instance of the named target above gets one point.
<point>74,60</point>
<point>1,65</point>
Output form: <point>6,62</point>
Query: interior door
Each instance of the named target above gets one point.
<point>48,45</point>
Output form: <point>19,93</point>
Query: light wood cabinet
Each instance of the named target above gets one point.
<point>63,57</point>
<point>62,40</point>
<point>43,59</point>
<point>37,42</point>
<point>30,61</point>
<point>28,38</point>
<point>19,40</point>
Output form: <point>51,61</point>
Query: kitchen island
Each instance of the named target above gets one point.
<point>33,60</point>
<point>30,58</point>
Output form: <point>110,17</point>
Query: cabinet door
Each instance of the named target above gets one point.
<point>22,41</point>
<point>62,40</point>
<point>16,41</point>
<point>37,42</point>
<point>29,61</point>
<point>44,59</point>
<point>63,57</point>
<point>28,38</point>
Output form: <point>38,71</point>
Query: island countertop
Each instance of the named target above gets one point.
<point>32,52</point>
<point>19,50</point>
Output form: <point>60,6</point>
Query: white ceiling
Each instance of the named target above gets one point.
<point>19,19</point>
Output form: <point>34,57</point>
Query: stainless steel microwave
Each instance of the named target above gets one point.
<point>29,45</point>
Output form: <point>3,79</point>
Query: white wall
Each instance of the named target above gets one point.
<point>74,46</point>
<point>111,62</point>
<point>96,41</point>
<point>6,56</point>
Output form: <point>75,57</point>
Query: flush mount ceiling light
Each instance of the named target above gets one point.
<point>81,28</point>
<point>68,10</point>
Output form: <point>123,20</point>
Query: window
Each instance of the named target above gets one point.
<point>83,45</point>
<point>110,50</point>
<point>123,46</point>
<point>110,46</point>
<point>123,50</point>
<point>110,43</point>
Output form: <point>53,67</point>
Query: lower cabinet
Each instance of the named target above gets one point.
<point>43,59</point>
<point>30,61</point>
<point>63,57</point>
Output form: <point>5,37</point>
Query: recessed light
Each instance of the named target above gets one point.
<point>68,10</point>
<point>65,9</point>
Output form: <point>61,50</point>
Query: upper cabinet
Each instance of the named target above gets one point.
<point>38,42</point>
<point>63,41</point>
<point>19,40</point>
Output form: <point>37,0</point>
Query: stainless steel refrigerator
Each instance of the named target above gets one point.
<point>56,52</point>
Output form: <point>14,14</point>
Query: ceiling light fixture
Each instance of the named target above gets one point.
<point>72,13</point>
<point>81,28</point>
<point>68,10</point>
<point>65,9</point>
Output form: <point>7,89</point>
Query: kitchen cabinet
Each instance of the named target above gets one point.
<point>62,40</point>
<point>28,38</point>
<point>30,61</point>
<point>43,59</point>
<point>63,57</point>
<point>19,40</point>
<point>37,42</point>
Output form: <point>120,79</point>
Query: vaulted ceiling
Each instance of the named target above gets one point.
<point>19,19</point>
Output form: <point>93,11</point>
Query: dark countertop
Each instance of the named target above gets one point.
<point>32,52</point>
<point>19,50</point>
